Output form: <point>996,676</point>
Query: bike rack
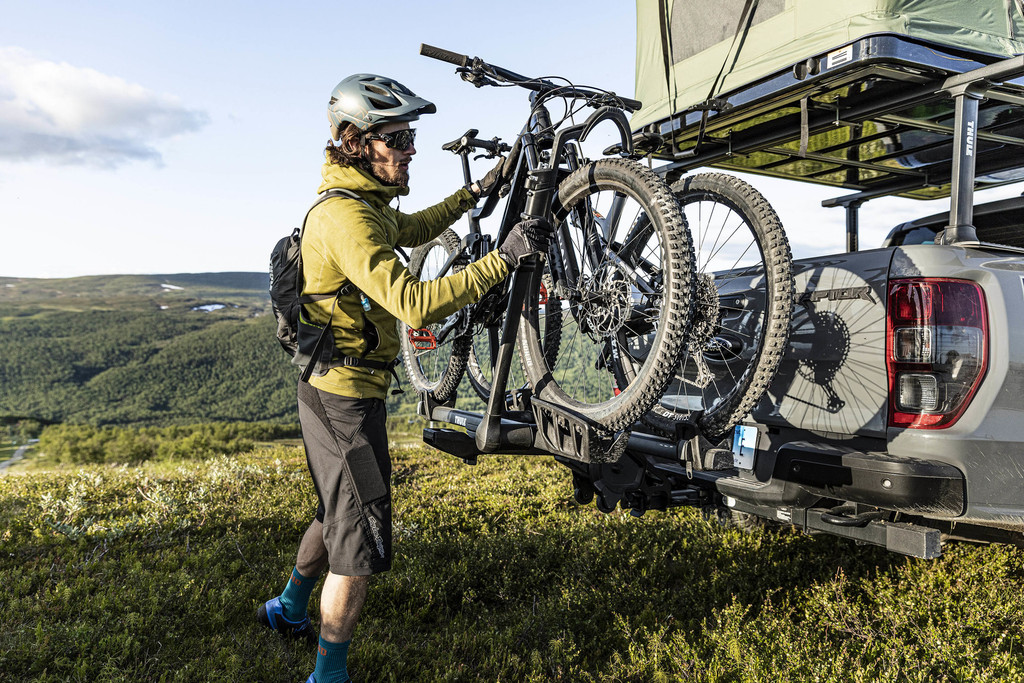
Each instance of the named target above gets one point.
<point>642,471</point>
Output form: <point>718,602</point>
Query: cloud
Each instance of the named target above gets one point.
<point>70,115</point>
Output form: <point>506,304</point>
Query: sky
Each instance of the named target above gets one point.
<point>175,137</point>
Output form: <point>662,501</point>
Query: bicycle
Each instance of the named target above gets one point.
<point>744,304</point>
<point>620,269</point>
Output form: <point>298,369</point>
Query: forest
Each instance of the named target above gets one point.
<point>145,350</point>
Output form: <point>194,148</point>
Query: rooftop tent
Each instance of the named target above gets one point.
<point>839,93</point>
<point>785,32</point>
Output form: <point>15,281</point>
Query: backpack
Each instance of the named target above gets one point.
<point>310,345</point>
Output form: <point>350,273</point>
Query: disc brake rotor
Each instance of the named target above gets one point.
<point>606,302</point>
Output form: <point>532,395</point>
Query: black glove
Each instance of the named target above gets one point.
<point>495,179</point>
<point>530,236</point>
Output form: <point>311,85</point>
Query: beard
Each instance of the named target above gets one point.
<point>392,176</point>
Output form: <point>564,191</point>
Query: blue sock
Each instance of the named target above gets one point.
<point>331,662</point>
<point>296,594</point>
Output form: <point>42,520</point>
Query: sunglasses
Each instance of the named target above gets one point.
<point>400,139</point>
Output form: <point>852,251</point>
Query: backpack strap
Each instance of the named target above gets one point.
<point>300,280</point>
<point>338,361</point>
<point>352,361</point>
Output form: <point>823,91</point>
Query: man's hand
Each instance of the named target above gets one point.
<point>494,180</point>
<point>528,237</point>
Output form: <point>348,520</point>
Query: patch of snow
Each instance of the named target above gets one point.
<point>164,308</point>
<point>208,307</point>
<point>167,286</point>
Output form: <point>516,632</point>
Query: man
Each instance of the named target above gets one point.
<point>352,242</point>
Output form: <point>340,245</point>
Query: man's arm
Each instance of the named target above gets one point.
<point>420,227</point>
<point>368,261</point>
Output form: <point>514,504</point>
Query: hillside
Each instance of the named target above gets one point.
<point>147,349</point>
<point>153,573</point>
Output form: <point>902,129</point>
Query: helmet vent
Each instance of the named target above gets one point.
<point>372,87</point>
<point>379,104</point>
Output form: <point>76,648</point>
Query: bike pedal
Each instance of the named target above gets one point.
<point>422,339</point>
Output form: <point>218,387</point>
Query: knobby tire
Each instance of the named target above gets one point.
<point>744,267</point>
<point>436,372</point>
<point>607,307</point>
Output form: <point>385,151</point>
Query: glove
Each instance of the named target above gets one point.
<point>528,237</point>
<point>495,179</point>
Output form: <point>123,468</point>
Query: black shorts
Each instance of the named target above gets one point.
<point>346,445</point>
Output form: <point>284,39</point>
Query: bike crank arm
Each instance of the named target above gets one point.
<point>454,322</point>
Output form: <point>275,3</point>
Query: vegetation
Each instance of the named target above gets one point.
<point>154,573</point>
<point>83,445</point>
<point>140,350</point>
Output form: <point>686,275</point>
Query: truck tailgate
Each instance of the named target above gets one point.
<point>832,378</point>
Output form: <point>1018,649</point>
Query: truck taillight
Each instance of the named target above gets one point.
<point>936,343</point>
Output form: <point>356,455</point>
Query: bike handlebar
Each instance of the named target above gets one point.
<point>469,142</point>
<point>476,67</point>
<point>444,55</point>
<point>629,103</point>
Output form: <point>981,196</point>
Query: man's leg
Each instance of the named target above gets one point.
<point>341,602</point>
<point>309,564</point>
<point>287,612</point>
<point>347,453</point>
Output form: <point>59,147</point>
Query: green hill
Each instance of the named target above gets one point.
<point>148,350</point>
<point>142,349</point>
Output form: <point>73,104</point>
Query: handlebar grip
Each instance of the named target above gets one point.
<point>489,145</point>
<point>632,105</point>
<point>444,55</point>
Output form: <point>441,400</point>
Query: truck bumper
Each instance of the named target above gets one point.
<point>804,472</point>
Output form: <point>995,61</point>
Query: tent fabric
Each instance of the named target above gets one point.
<point>699,36</point>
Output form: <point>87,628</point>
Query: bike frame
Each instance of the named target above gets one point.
<point>532,196</point>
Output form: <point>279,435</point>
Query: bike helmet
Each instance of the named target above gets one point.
<point>367,100</point>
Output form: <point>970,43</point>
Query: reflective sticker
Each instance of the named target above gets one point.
<point>841,56</point>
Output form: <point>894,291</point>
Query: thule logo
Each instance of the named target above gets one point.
<point>969,142</point>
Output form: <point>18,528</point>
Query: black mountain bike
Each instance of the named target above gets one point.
<point>602,320</point>
<point>743,307</point>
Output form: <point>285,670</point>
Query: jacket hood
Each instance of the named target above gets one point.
<point>358,180</point>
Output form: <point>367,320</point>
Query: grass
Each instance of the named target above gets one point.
<point>154,573</point>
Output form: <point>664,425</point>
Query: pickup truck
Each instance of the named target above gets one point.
<point>899,397</point>
<point>896,414</point>
<point>872,394</point>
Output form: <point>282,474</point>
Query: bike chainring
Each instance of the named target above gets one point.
<point>488,310</point>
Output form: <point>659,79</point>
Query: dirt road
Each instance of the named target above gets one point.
<point>18,455</point>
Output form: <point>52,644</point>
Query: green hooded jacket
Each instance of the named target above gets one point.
<point>347,240</point>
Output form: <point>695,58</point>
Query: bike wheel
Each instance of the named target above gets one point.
<point>480,367</point>
<point>435,369</point>
<point>624,273</point>
<point>744,302</point>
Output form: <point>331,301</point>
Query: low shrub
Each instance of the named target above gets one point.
<point>85,444</point>
<point>154,573</point>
